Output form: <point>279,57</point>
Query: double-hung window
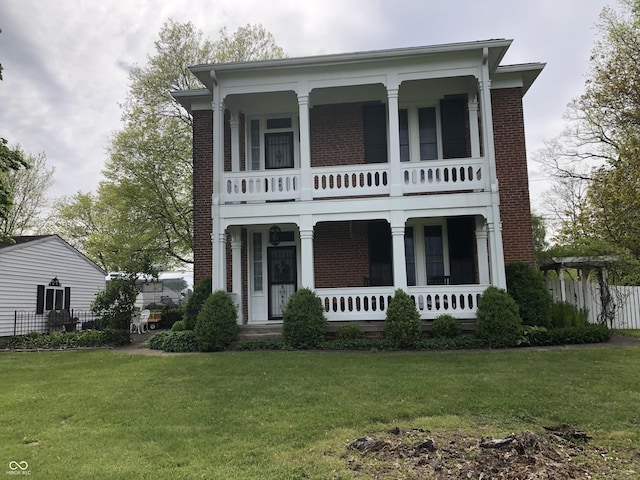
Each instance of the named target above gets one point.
<point>272,142</point>
<point>432,132</point>
<point>426,251</point>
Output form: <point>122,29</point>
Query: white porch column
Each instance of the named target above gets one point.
<point>218,238</point>
<point>307,278</point>
<point>394,139</point>
<point>483,251</point>
<point>474,129</point>
<point>306,192</point>
<point>235,141</point>
<point>498,275</point>
<point>236,269</point>
<point>399,255</point>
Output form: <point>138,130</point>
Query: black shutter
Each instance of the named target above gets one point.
<point>40,300</point>
<point>375,133</point>
<point>67,299</point>
<point>453,112</point>
<point>461,247</point>
<point>380,254</point>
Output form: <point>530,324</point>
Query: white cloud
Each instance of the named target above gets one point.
<point>66,63</point>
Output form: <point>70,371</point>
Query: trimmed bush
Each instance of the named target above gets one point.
<point>499,324</point>
<point>195,302</point>
<point>564,314</point>
<point>526,286</point>
<point>403,327</point>
<point>180,342</point>
<point>445,326</point>
<point>349,332</point>
<point>303,322</point>
<point>217,328</point>
<point>539,336</point>
<point>178,326</point>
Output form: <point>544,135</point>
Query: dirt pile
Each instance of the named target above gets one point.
<point>561,452</point>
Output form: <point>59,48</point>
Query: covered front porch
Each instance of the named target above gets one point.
<point>355,266</point>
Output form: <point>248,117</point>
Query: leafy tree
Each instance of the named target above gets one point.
<point>145,199</point>
<point>29,186</point>
<point>115,304</point>
<point>599,152</point>
<point>11,159</point>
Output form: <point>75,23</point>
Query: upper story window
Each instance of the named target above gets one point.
<point>272,142</point>
<point>432,132</point>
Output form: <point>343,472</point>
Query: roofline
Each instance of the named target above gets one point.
<point>499,46</point>
<point>528,71</point>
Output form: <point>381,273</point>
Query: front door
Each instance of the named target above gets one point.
<point>282,275</point>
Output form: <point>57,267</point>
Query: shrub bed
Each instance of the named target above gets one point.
<point>82,339</point>
<point>179,341</point>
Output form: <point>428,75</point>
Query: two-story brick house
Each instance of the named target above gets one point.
<point>357,174</point>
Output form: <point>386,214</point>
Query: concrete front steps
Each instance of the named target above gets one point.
<point>250,333</point>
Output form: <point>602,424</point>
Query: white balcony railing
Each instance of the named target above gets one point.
<point>461,174</point>
<point>370,303</point>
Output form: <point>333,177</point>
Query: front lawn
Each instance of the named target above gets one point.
<point>289,415</point>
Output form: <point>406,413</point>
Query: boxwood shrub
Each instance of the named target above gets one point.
<point>304,322</point>
<point>445,326</point>
<point>402,327</point>
<point>498,324</point>
<point>526,286</point>
<point>217,328</point>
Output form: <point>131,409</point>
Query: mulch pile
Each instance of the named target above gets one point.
<point>560,452</point>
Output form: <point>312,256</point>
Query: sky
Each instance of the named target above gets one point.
<point>66,63</point>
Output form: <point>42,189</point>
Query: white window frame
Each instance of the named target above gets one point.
<point>419,246</point>
<point>262,119</point>
<point>414,130</point>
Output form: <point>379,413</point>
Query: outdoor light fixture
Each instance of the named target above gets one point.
<point>274,235</point>
<point>55,282</point>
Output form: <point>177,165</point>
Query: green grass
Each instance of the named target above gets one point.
<point>628,333</point>
<point>288,415</point>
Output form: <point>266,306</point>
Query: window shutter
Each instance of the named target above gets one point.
<point>461,248</point>
<point>40,300</point>
<point>375,133</point>
<point>453,112</point>
<point>67,298</point>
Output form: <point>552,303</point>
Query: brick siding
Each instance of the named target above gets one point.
<point>202,191</point>
<point>511,164</point>
<point>341,254</point>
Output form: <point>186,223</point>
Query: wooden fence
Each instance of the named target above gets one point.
<point>626,301</point>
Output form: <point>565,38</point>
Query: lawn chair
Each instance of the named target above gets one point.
<point>139,322</point>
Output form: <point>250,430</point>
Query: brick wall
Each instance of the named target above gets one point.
<point>336,134</point>
<point>202,191</point>
<point>511,164</point>
<point>341,254</point>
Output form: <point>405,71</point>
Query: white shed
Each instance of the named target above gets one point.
<point>43,273</point>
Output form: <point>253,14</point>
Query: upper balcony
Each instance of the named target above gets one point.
<point>436,176</point>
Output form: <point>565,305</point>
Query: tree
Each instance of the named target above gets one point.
<point>11,159</point>
<point>146,193</point>
<point>597,158</point>
<point>29,186</point>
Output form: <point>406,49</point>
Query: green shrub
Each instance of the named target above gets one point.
<point>178,326</point>
<point>539,336</point>
<point>526,286</point>
<point>350,331</point>
<point>303,322</point>
<point>181,341</point>
<point>170,315</point>
<point>403,327</point>
<point>445,326</point>
<point>195,302</point>
<point>460,342</point>
<point>270,344</point>
<point>216,327</point>
<point>156,342</point>
<point>85,338</point>
<point>564,314</point>
<point>499,323</point>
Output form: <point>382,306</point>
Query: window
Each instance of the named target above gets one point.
<point>257,262</point>
<point>434,254</point>
<point>433,132</point>
<point>428,133</point>
<point>52,298</point>
<point>271,143</point>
